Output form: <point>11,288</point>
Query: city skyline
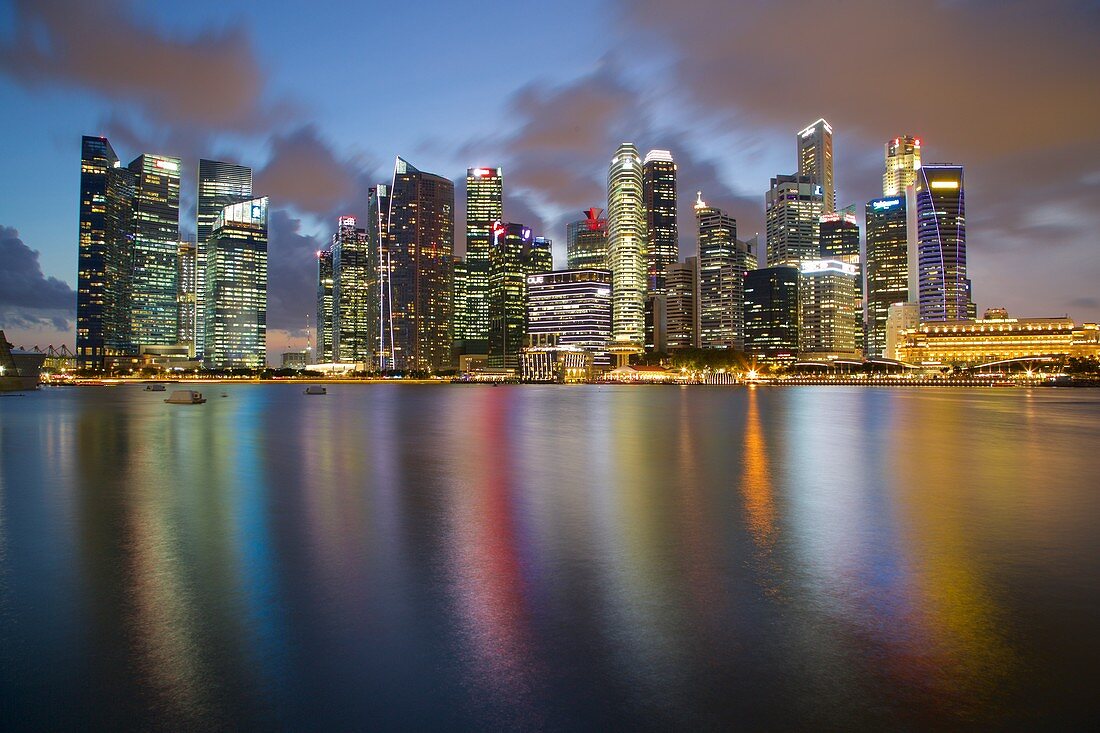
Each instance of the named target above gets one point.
<point>549,141</point>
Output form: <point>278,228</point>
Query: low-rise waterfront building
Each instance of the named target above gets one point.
<point>988,340</point>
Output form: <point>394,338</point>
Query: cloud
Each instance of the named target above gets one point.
<point>291,273</point>
<point>212,79</point>
<point>28,299</point>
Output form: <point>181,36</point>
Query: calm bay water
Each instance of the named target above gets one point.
<point>549,557</point>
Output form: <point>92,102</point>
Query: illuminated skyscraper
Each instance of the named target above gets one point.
<point>793,207</point>
<point>827,309</point>
<point>484,205</point>
<point>887,266</point>
<point>515,254</point>
<point>219,185</point>
<point>771,313</point>
<point>352,291</point>
<point>421,242</point>
<point>942,286</point>
<point>659,198</point>
<point>902,164</point>
<point>840,241</point>
<point>156,224</point>
<point>626,253</point>
<point>574,305</point>
<point>324,351</point>
<point>381,310</point>
<point>188,285</point>
<point>682,304</point>
<point>236,287</point>
<point>586,242</point>
<point>815,160</point>
<point>461,296</point>
<point>105,248</point>
<point>723,262</point>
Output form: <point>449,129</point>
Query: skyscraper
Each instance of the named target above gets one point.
<point>324,351</point>
<point>626,254</point>
<point>574,305</point>
<point>421,252</point>
<point>681,304</point>
<point>793,208</point>
<point>513,256</point>
<point>353,329</point>
<point>484,205</point>
<point>156,226</point>
<point>771,313</point>
<point>236,287</point>
<point>902,164</point>
<point>815,160</point>
<point>381,304</point>
<point>840,242</point>
<point>586,242</point>
<point>461,297</point>
<point>188,285</point>
<point>943,288</point>
<point>887,266</point>
<point>723,262</point>
<point>827,309</point>
<point>105,248</point>
<point>219,185</point>
<point>659,198</point>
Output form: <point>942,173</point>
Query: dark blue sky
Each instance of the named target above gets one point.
<point>319,97</point>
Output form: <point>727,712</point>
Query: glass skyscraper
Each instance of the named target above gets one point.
<point>188,287</point>
<point>681,304</point>
<point>156,225</point>
<point>352,292</point>
<point>219,185</point>
<point>943,288</point>
<point>723,262</point>
<point>793,208</point>
<point>514,255</point>
<point>887,266</point>
<point>659,198</point>
<point>586,242</point>
<point>827,309</point>
<point>771,313</point>
<point>902,163</point>
<point>815,160</point>
<point>236,287</point>
<point>840,242</point>
<point>104,259</point>
<point>573,304</point>
<point>626,253</point>
<point>484,206</point>
<point>325,331</point>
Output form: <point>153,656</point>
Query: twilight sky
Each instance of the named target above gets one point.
<point>319,97</point>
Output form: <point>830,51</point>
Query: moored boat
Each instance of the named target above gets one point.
<point>185,397</point>
<point>154,388</point>
<point>316,389</point>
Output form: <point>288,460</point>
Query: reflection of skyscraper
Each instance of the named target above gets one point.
<point>887,266</point>
<point>484,205</point>
<point>421,241</point>
<point>771,313</point>
<point>105,247</point>
<point>626,244</point>
<point>943,287</point>
<point>219,185</point>
<point>723,262</point>
<point>586,242</point>
<point>793,207</point>
<point>902,164</point>
<point>352,290</point>
<point>236,287</point>
<point>815,160</point>
<point>324,307</point>
<point>659,198</point>
<point>153,312</point>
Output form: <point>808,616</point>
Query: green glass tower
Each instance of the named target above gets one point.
<point>156,228</point>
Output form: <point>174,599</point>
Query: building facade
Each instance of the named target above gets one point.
<point>975,342</point>
<point>887,266</point>
<point>236,287</point>
<point>156,225</point>
<point>586,242</point>
<point>626,246</point>
<point>325,330</point>
<point>793,208</point>
<point>771,313</point>
<point>573,306</point>
<point>484,206</point>
<point>902,163</point>
<point>840,242</point>
<point>901,318</point>
<point>943,288</point>
<point>723,262</point>
<point>827,301</point>
<point>352,293</point>
<point>815,160</point>
<point>188,287</point>
<point>659,199</point>
<point>682,304</point>
<point>513,256</point>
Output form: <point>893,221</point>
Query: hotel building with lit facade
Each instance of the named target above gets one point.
<point>575,307</point>
<point>975,342</point>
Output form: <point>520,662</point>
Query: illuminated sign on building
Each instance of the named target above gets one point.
<point>883,204</point>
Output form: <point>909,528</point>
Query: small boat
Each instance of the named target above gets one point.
<point>316,389</point>
<point>154,388</point>
<point>186,397</point>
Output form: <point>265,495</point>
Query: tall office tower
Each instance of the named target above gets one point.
<point>324,351</point>
<point>352,291</point>
<point>105,247</point>
<point>421,240</point>
<point>723,262</point>
<point>942,286</point>
<point>153,313</point>
<point>575,305</point>
<point>659,198</point>
<point>484,205</point>
<point>461,296</point>
<point>236,287</point>
<point>887,266</point>
<point>187,287</point>
<point>656,322</point>
<point>815,160</point>
<point>771,313</point>
<point>381,311</point>
<point>793,207</point>
<point>626,253</point>
<point>827,309</point>
<point>840,241</point>
<point>681,304</point>
<point>902,164</point>
<point>219,185</point>
<point>514,256</point>
<point>542,254</point>
<point>586,242</point>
